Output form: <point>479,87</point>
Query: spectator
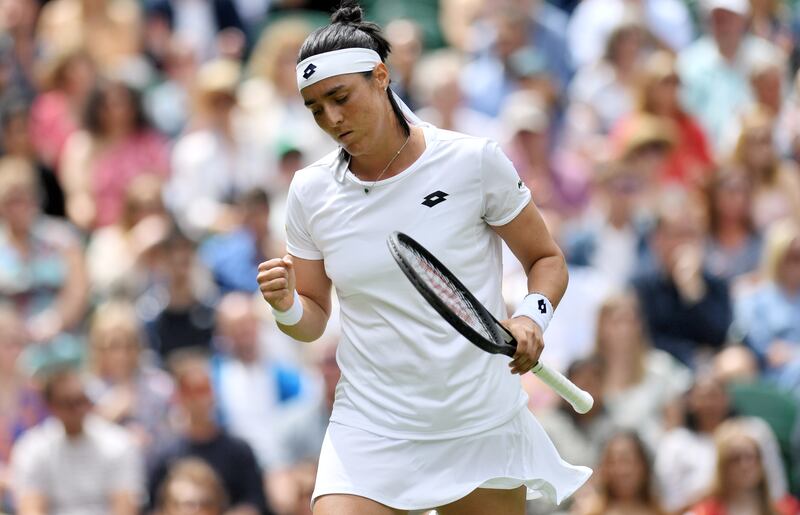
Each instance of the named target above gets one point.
<point>200,436</point>
<point>580,438</point>
<point>168,102</point>
<point>686,456</point>
<point>602,92</point>
<point>624,484</point>
<point>611,236</point>
<point>405,37</point>
<point>714,69</point>
<point>109,31</point>
<point>192,487</point>
<point>42,273</point>
<point>211,162</point>
<point>526,119</point>
<point>233,257</point>
<point>178,313</point>
<point>124,389</point>
<point>279,412</point>
<point>741,484</point>
<point>733,245</point>
<point>594,20</point>
<point>75,462</point>
<point>769,315</point>
<point>19,44</point>
<point>274,112</point>
<point>640,384</point>
<point>770,19</point>
<point>67,79</point>
<point>657,94</point>
<point>16,141</point>
<point>116,145</point>
<point>21,407</point>
<point>123,258</point>
<point>687,310</point>
<point>776,181</point>
<point>441,100</point>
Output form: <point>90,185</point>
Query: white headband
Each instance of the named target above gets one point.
<point>338,62</point>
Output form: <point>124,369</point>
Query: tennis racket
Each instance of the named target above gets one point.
<point>454,302</point>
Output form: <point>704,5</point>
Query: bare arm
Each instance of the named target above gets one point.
<point>123,503</point>
<point>32,503</point>
<point>279,278</point>
<point>530,241</point>
<point>73,296</point>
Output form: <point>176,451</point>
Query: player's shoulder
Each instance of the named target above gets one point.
<point>316,175</point>
<point>460,140</point>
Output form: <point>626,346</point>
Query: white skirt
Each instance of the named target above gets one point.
<point>425,474</point>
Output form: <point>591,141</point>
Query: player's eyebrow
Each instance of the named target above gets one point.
<point>328,93</point>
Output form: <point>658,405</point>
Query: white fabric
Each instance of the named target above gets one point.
<point>405,372</point>
<point>538,308</point>
<point>337,62</point>
<point>77,476</point>
<point>416,475</point>
<point>292,315</point>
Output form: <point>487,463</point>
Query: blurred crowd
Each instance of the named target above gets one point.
<point>146,147</point>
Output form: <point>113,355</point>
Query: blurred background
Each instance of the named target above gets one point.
<point>146,147</point>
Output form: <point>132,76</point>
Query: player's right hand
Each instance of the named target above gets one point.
<point>276,281</point>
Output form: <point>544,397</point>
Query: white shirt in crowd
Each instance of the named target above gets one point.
<point>405,372</point>
<point>77,476</point>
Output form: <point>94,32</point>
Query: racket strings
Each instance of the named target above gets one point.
<point>450,294</point>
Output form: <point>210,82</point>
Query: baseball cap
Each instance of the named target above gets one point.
<point>741,7</point>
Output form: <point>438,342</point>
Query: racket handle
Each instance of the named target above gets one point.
<point>580,400</point>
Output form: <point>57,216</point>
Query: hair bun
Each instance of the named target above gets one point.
<point>349,12</point>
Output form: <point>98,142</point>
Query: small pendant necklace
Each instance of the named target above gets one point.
<point>367,189</point>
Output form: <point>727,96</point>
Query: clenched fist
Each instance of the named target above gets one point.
<point>276,281</point>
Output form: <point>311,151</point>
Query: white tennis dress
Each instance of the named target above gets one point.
<point>422,417</point>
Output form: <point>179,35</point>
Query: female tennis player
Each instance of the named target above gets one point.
<point>422,418</point>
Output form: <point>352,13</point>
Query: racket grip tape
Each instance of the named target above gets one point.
<point>580,400</point>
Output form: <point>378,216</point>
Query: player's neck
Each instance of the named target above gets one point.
<point>370,167</point>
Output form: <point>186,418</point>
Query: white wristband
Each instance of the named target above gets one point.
<point>292,315</point>
<point>538,308</point>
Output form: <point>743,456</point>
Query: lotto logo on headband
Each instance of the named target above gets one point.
<point>309,71</point>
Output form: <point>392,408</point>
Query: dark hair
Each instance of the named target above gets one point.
<point>349,30</point>
<point>97,101</point>
<point>52,378</point>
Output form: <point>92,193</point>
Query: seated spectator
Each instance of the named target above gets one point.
<point>213,162</point>
<point>686,456</point>
<point>624,484</point>
<point>733,245</point>
<point>640,385</point>
<point>714,69</point>
<point>776,182</point>
<point>687,310</point>
<point>741,484</point>
<point>116,145</point>
<point>602,92</point>
<point>441,98</point>
<point>16,141</point>
<point>528,126</point>
<point>109,31</point>
<point>611,238</point>
<point>280,410</point>
<point>579,438</point>
<point>42,271</point>
<point>233,258</point>
<point>122,258</point>
<point>21,407</point>
<point>68,77</point>
<point>690,160</point>
<point>178,313</point>
<point>769,316</point>
<point>200,436</point>
<point>124,389</point>
<point>75,462</point>
<point>167,103</point>
<point>192,487</point>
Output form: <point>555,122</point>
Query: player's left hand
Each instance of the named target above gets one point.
<point>529,343</point>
